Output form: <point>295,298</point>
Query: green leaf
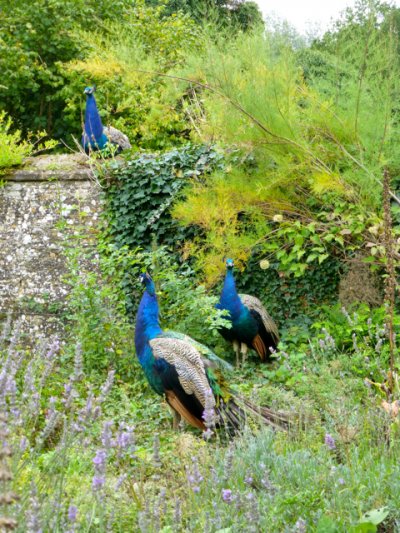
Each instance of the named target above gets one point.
<point>365,527</point>
<point>376,516</point>
<point>326,525</point>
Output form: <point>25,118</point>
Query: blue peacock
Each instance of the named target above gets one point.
<point>252,327</point>
<point>188,374</point>
<point>95,136</point>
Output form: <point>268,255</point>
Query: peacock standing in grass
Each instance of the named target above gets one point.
<point>252,327</point>
<point>95,136</point>
<point>188,374</point>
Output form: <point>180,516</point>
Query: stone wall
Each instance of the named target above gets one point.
<point>42,208</point>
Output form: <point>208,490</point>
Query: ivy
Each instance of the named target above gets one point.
<point>143,190</point>
<point>140,193</point>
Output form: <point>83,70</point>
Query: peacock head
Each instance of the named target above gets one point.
<point>229,264</point>
<point>145,278</point>
<point>89,90</point>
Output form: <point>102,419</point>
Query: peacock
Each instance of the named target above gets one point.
<point>252,327</point>
<point>188,374</point>
<point>95,136</point>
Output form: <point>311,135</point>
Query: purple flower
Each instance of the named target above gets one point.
<point>98,482</point>
<point>106,435</point>
<point>178,513</point>
<point>194,476</point>
<point>156,451</point>
<point>106,387</point>
<point>207,434</point>
<point>100,458</point>
<point>120,481</point>
<point>341,481</point>
<point>72,513</point>
<point>125,441</point>
<point>330,442</point>
<point>78,373</point>
<point>227,495</point>
<point>300,526</point>
<point>248,479</point>
<point>23,444</point>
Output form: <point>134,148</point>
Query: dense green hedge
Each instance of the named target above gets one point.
<point>143,190</point>
<point>140,195</point>
<point>288,299</point>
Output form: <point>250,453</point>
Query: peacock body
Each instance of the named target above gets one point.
<point>95,136</point>
<point>187,373</point>
<point>252,327</point>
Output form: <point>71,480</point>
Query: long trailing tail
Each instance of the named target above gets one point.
<point>237,410</point>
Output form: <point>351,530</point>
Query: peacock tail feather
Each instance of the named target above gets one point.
<point>188,374</point>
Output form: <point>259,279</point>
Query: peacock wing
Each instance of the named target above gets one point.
<point>254,304</point>
<point>208,355</point>
<point>188,363</point>
<point>117,137</point>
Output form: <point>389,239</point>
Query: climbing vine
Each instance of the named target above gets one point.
<point>142,191</point>
<point>141,194</point>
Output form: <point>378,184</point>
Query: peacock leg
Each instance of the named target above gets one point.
<point>236,349</point>
<point>176,421</point>
<point>243,351</point>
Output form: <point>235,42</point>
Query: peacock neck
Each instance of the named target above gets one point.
<point>93,124</point>
<point>229,297</point>
<point>147,322</point>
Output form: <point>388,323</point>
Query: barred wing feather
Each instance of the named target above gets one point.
<point>209,355</point>
<point>253,303</point>
<point>188,363</point>
<point>117,137</point>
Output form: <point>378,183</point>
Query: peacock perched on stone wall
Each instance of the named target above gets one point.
<point>188,374</point>
<point>252,327</point>
<point>95,136</point>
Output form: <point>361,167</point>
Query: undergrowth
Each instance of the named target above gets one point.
<point>93,448</point>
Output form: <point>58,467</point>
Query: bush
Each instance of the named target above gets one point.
<point>13,150</point>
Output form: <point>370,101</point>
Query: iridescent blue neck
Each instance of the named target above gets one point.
<point>229,297</point>
<point>93,124</point>
<point>147,323</point>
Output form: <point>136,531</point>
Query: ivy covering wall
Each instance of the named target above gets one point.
<point>141,193</point>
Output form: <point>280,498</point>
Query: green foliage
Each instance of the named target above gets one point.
<point>49,51</point>
<point>358,330</point>
<point>140,193</point>
<point>96,305</point>
<point>35,38</point>
<point>291,301</point>
<point>236,14</point>
<point>318,145</point>
<point>13,150</point>
<point>128,62</point>
<point>337,230</point>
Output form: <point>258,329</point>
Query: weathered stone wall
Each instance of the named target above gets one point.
<point>42,207</point>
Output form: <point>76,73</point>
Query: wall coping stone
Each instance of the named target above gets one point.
<point>61,167</point>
